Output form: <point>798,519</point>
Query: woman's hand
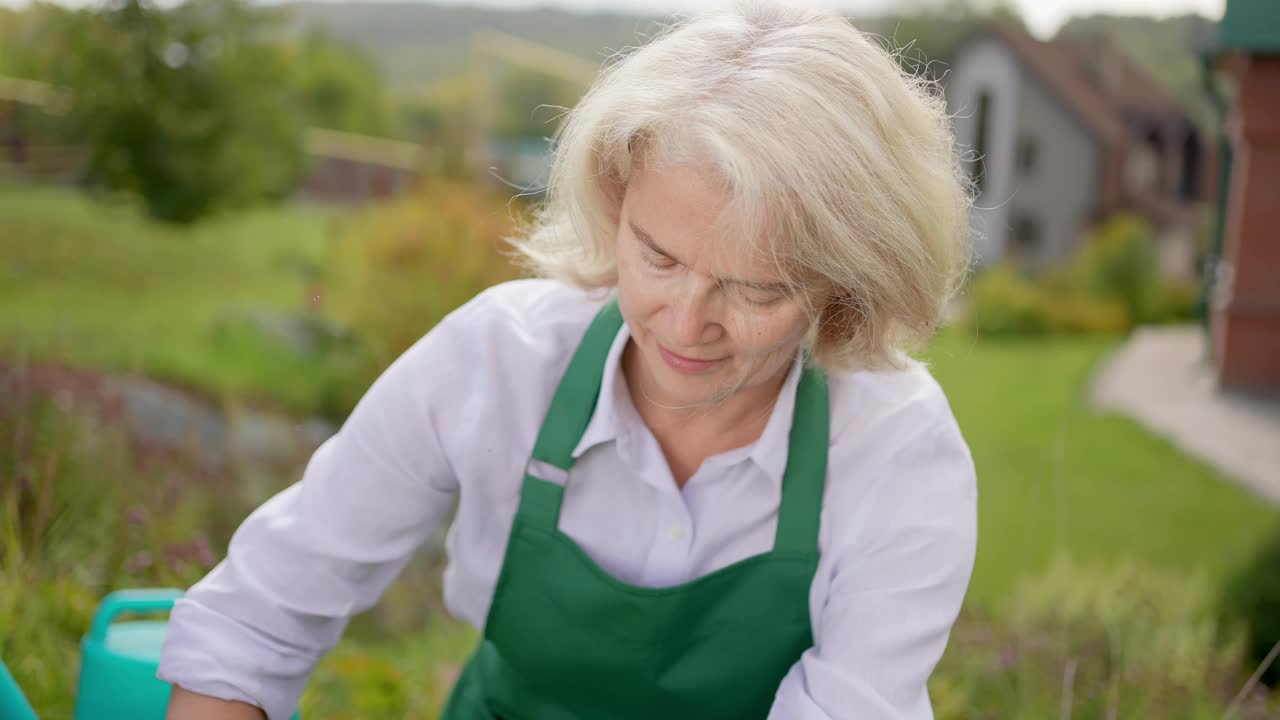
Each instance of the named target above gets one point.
<point>187,705</point>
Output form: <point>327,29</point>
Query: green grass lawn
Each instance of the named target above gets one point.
<point>1055,475</point>
<point>97,285</point>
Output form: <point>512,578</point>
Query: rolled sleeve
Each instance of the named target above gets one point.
<point>323,549</point>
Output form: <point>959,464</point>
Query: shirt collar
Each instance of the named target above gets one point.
<point>614,414</point>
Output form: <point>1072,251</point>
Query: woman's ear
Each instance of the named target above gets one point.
<point>839,318</point>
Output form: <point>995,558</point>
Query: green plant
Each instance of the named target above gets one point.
<point>399,268</point>
<point>1252,597</point>
<point>1106,287</point>
<point>1117,262</point>
<point>84,512</point>
<point>1098,641</point>
<point>1003,302</point>
<point>186,107</point>
<point>1175,301</point>
<point>85,509</point>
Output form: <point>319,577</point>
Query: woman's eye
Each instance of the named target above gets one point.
<point>760,296</point>
<point>657,261</point>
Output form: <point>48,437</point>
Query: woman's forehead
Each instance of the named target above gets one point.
<point>690,220</point>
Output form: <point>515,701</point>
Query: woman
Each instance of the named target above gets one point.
<point>696,477</point>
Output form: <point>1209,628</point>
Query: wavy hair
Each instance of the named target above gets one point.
<point>836,162</point>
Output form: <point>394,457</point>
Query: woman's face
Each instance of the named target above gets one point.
<point>708,318</point>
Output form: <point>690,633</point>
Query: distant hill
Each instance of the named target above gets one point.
<point>418,44</point>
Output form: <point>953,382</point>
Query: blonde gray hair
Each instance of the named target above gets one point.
<point>839,159</point>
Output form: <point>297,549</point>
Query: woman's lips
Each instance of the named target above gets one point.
<point>683,364</point>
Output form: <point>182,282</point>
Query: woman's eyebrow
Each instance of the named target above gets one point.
<point>649,242</point>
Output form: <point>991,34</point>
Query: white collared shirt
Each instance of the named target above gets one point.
<point>455,418</point>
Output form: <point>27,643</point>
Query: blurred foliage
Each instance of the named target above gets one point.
<point>1252,596</point>
<point>181,106</point>
<point>233,307</point>
<point>1117,261</point>
<point>82,514</point>
<point>292,308</point>
<point>196,107</point>
<point>86,509</point>
<point>1165,48</point>
<point>927,35</point>
<point>1096,642</point>
<point>443,120</point>
<point>1108,286</point>
<point>530,103</point>
<point>397,269</point>
<point>338,87</point>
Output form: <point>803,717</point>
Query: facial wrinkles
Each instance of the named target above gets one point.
<point>701,292</point>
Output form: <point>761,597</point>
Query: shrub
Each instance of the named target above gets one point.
<point>1117,262</point>
<point>397,269</point>
<point>1108,642</point>
<point>1252,597</point>
<point>82,513</point>
<point>1106,288</point>
<point>1005,303</point>
<point>1176,301</point>
<point>1079,313</point>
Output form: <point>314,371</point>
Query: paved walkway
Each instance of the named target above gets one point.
<point>1162,379</point>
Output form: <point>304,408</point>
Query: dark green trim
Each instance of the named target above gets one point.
<point>1250,25</point>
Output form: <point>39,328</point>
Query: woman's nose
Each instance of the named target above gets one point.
<point>694,317</point>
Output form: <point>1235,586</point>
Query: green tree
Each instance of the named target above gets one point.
<point>8,40</point>
<point>926,36</point>
<point>182,106</point>
<point>339,88</point>
<point>529,103</point>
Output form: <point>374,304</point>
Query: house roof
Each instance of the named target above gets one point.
<point>1103,90</point>
<point>1250,25</point>
<point>1096,82</point>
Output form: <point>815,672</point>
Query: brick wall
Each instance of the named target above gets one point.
<point>1246,313</point>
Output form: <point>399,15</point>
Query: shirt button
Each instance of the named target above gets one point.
<point>676,532</point>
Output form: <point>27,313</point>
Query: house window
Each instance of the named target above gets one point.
<point>978,170</point>
<point>1189,187</point>
<point>1027,152</point>
<point>1025,239</point>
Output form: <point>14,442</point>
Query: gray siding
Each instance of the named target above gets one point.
<point>987,67</point>
<point>1058,192</point>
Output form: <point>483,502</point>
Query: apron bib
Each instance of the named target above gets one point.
<point>565,640</point>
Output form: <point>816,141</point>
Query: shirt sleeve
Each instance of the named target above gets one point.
<point>897,586</point>
<point>328,546</point>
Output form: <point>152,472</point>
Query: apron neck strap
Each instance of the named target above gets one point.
<point>806,473</point>
<point>575,401</point>
<point>579,389</point>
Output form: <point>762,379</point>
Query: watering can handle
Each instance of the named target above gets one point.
<point>145,600</point>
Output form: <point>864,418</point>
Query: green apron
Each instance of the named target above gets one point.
<point>565,640</point>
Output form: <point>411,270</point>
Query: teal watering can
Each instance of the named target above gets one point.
<point>118,664</point>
